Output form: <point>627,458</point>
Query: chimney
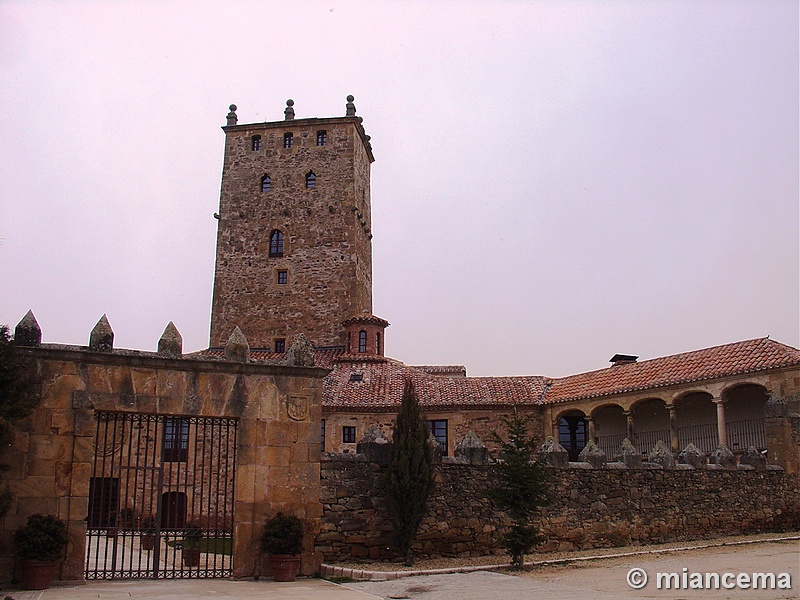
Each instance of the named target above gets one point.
<point>623,359</point>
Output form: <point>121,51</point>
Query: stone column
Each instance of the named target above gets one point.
<point>590,429</point>
<point>675,444</point>
<point>723,434</point>
<point>629,416</point>
<point>555,428</point>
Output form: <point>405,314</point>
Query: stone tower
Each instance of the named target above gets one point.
<point>294,250</point>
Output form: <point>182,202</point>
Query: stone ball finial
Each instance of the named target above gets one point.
<point>301,353</point>
<point>237,349</point>
<point>232,118</point>
<point>27,332</point>
<point>101,339</point>
<point>288,113</point>
<point>351,108</point>
<point>171,342</point>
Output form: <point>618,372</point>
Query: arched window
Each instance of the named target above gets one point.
<point>266,183</point>
<point>288,140</point>
<point>255,142</point>
<point>311,179</point>
<point>362,341</point>
<point>276,243</point>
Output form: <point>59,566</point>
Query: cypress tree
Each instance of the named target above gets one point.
<point>409,474</point>
<point>519,487</point>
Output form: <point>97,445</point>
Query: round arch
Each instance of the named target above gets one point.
<point>610,427</point>
<point>744,416</point>
<point>650,424</point>
<point>573,431</point>
<point>696,417</point>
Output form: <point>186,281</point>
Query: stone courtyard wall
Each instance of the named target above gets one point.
<point>589,508</point>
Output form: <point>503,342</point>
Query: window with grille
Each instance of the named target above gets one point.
<point>255,142</point>
<point>176,440</point>
<point>362,341</point>
<point>266,183</point>
<point>349,434</point>
<point>288,140</point>
<point>280,345</point>
<point>311,179</point>
<point>322,137</point>
<point>283,277</point>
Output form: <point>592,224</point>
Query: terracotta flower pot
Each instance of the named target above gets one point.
<point>37,574</point>
<point>148,542</point>
<point>285,567</point>
<point>191,557</point>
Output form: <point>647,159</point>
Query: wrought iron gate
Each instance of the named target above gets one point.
<point>161,497</point>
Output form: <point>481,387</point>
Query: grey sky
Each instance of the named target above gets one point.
<point>555,182</point>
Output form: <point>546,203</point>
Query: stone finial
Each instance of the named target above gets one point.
<point>375,446</point>
<point>630,455</point>
<point>552,453</point>
<point>27,332</point>
<point>351,108</point>
<point>232,118</point>
<point>301,353</point>
<point>723,457</point>
<point>775,407</point>
<point>171,342</point>
<point>754,458</point>
<point>593,455</point>
<point>472,449</point>
<point>237,349</point>
<point>288,113</point>
<point>691,455</point>
<point>662,455</point>
<point>101,339</point>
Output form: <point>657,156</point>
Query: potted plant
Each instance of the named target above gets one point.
<point>40,545</point>
<point>148,529</point>
<point>192,537</point>
<point>282,539</point>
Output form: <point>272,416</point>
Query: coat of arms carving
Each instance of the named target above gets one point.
<point>297,407</point>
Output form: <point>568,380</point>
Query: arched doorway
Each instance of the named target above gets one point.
<point>572,433</point>
<point>744,416</point>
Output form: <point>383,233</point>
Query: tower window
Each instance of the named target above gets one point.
<point>311,179</point>
<point>362,341</point>
<point>280,345</point>
<point>288,140</point>
<point>322,137</point>
<point>283,277</point>
<point>378,343</point>
<point>276,243</point>
<point>255,142</point>
<point>266,183</point>
<point>349,434</point>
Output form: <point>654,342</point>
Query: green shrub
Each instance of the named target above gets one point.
<point>283,534</point>
<point>43,538</point>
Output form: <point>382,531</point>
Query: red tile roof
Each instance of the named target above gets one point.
<point>738,358</point>
<point>381,383</point>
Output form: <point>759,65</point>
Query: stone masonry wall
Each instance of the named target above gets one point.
<point>589,508</point>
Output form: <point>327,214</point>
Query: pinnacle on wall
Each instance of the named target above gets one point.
<point>171,342</point>
<point>301,353</point>
<point>237,349</point>
<point>288,113</point>
<point>27,332</point>
<point>101,339</point>
<point>231,117</point>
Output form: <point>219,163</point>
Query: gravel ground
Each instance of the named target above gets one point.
<point>445,563</point>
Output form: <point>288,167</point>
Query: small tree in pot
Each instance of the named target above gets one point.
<point>192,538</point>
<point>40,545</point>
<point>148,529</point>
<point>282,539</point>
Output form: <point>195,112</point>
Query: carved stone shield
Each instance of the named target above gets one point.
<point>297,407</point>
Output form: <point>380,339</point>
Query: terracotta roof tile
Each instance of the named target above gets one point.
<point>719,361</point>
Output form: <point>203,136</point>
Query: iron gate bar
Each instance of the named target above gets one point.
<point>141,459</point>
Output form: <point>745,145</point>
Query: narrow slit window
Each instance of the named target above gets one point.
<point>288,140</point>
<point>255,142</point>
<point>322,137</point>
<point>266,183</point>
<point>311,179</point>
<point>276,243</point>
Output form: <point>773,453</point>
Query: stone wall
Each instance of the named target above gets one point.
<point>277,455</point>
<point>589,508</point>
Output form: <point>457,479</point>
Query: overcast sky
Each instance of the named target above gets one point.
<point>555,182</point>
